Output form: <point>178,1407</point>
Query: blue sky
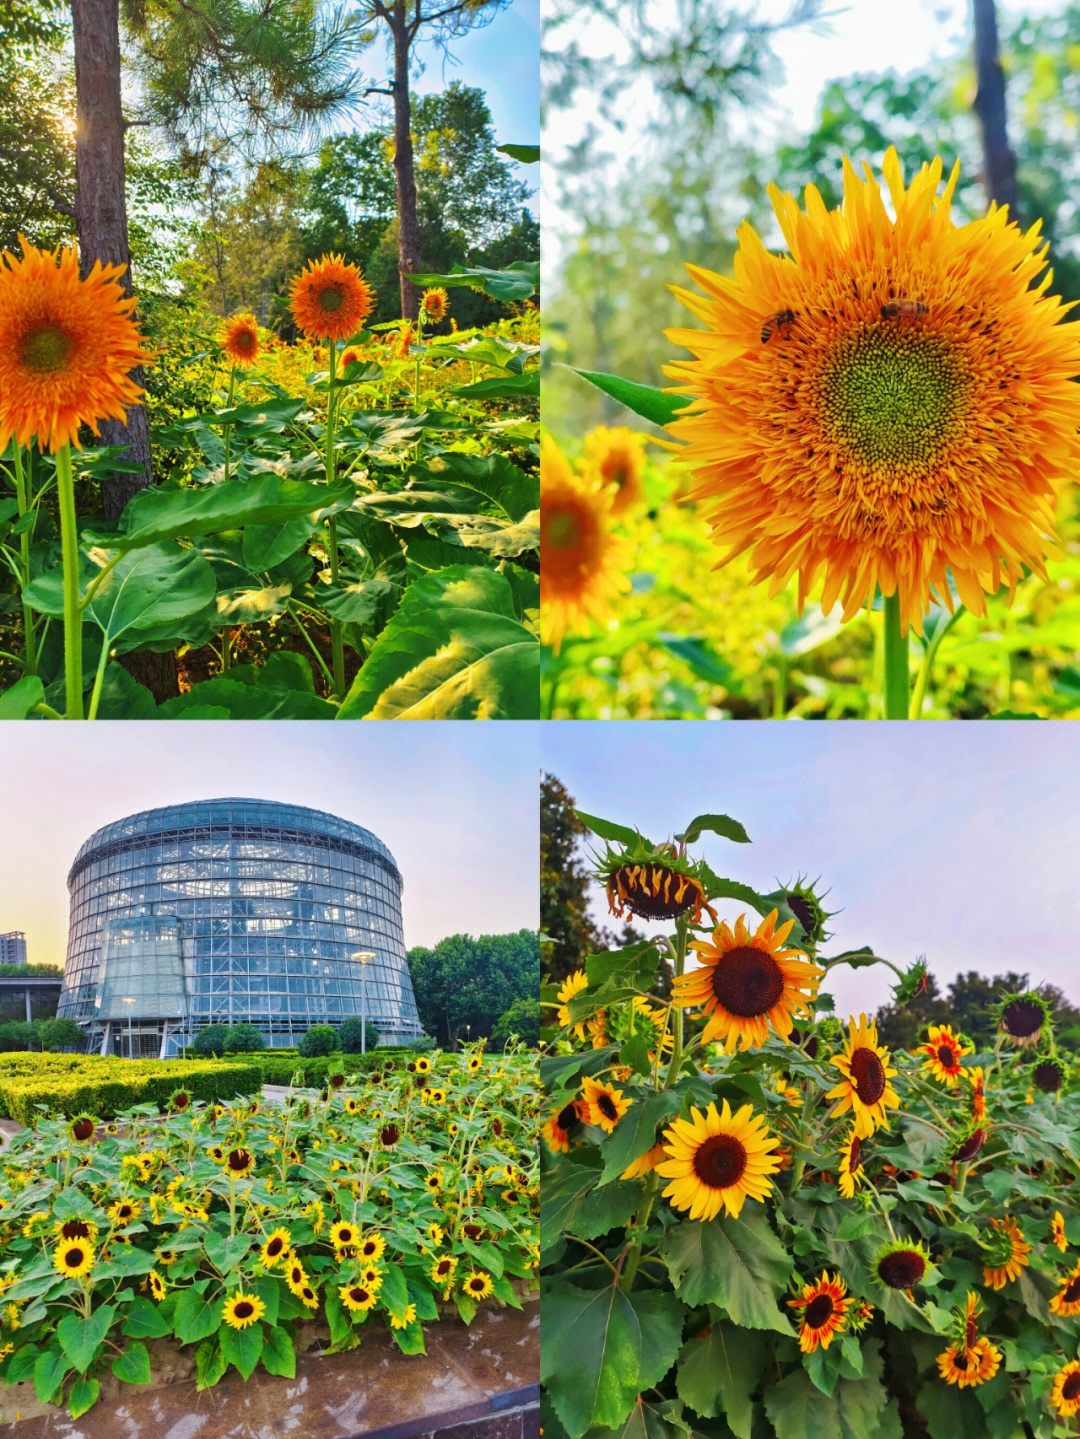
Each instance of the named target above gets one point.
<point>960,840</point>
<point>455,802</point>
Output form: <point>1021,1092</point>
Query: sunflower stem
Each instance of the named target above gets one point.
<point>337,641</point>
<point>641,1218</point>
<point>69,540</point>
<point>896,660</point>
<point>22,491</point>
<point>228,427</point>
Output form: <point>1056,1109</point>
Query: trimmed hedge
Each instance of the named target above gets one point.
<point>278,1066</point>
<point>86,1084</point>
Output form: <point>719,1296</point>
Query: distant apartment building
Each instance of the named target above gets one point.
<point>13,947</point>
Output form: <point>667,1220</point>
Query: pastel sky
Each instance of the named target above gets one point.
<point>958,841</point>
<point>455,802</point>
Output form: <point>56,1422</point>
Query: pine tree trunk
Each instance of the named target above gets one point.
<point>404,172</point>
<point>999,162</point>
<point>101,218</point>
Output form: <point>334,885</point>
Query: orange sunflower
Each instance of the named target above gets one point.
<point>618,456</point>
<point>888,404</point>
<point>965,1367</point>
<point>582,564</point>
<point>865,1087</point>
<point>748,981</point>
<point>1065,1395</point>
<point>239,338</point>
<point>330,299</point>
<point>562,1126</point>
<point>435,304</point>
<point>67,347</point>
<point>944,1051</point>
<point>1007,1251</point>
<point>824,1305</point>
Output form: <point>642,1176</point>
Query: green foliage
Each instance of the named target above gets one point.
<point>471,982</point>
<point>89,1084</point>
<point>319,1039</point>
<point>353,1030</point>
<point>243,1039</point>
<point>211,1040</point>
<point>522,1018</point>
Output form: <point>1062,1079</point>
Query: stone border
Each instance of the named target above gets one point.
<point>480,1382</point>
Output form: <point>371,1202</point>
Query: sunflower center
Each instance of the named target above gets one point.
<point>902,1269</point>
<point>1072,1291</point>
<point>854,1153</point>
<point>893,395</point>
<point>1048,1076</point>
<point>1071,1388</point>
<point>945,1056</point>
<point>73,1258</point>
<point>606,1106</point>
<point>819,1311</point>
<point>46,348</point>
<point>747,982</point>
<point>331,298</point>
<point>243,1310</point>
<point>961,1362</point>
<point>1023,1019</point>
<point>868,1075</point>
<point>720,1162</point>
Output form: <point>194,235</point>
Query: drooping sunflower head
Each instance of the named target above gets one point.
<point>67,348</point>
<point>1025,1018</point>
<point>968,1143</point>
<point>582,563</point>
<point>902,1264</point>
<point>824,1305</point>
<point>179,1100</point>
<point>435,304</point>
<point>747,981</point>
<point>1065,1395</point>
<point>652,881</point>
<point>618,457</point>
<point>888,404</point>
<point>83,1128</point>
<point>977,1091</point>
<point>330,299</point>
<point>864,1087</point>
<point>805,904</point>
<point>1006,1252</point>
<point>239,338</point>
<point>717,1160</point>
<point>1049,1075</point>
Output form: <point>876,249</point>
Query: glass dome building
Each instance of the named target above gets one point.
<point>228,910</point>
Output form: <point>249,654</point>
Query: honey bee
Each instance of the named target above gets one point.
<point>779,321</point>
<point>904,310</point>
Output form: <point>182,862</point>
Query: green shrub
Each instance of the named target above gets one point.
<point>243,1039</point>
<point>320,1039</point>
<point>211,1040</point>
<point>522,1019</point>
<point>351,1032</point>
<point>105,1087</point>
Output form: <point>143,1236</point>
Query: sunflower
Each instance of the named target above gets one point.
<point>330,299</point>
<point>67,347</point>
<point>295,1275</point>
<point>582,565</point>
<point>343,1236</point>
<point>478,1285</point>
<point>655,891</point>
<point>401,340</point>
<point>865,1086</point>
<point>851,1169</point>
<point>402,1321</point>
<point>1066,1302</point>
<point>73,1258</point>
<point>242,1310</point>
<point>442,1271</point>
<point>1023,1017</point>
<point>747,982</point>
<point>125,1211</point>
<point>1049,1075</point>
<point>1065,1396</point>
<point>357,1297</point>
<point>562,1126</point>
<point>717,1160</point>
<point>276,1247</point>
<point>239,338</point>
<point>1007,1252</point>
<point>75,1229</point>
<point>389,1135</point>
<point>607,1105</point>
<point>371,1247</point>
<point>944,1051</point>
<point>82,1127</point>
<point>824,1305</point>
<point>349,357</point>
<point>1057,1231</point>
<point>572,985</point>
<point>972,1140</point>
<point>239,1162</point>
<point>902,1265</point>
<point>891,403</point>
<point>645,1163</point>
<point>977,1096</point>
<point>156,1285</point>
<point>618,457</point>
<point>435,304</point>
<point>423,1066</point>
<point>964,1366</point>
<point>308,1297</point>
<point>859,1317</point>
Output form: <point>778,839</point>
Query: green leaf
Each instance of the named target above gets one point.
<point>155,515</point>
<point>607,829</point>
<point>951,1413</point>
<point>84,1395</point>
<point>242,1347</point>
<point>18,701</point>
<point>502,387</point>
<point>410,1340</point>
<point>797,1409</point>
<point>720,824</point>
<point>645,401</point>
<point>278,1355</point>
<point>564,1188</point>
<point>144,1320</point>
<point>394,1292</point>
<point>453,650</point>
<point>210,1364</point>
<point>737,1264</point>
<point>267,545</point>
<point>336,1318</point>
<point>519,281</point>
<point>49,1370</point>
<point>80,1338</point>
<point>155,585</point>
<point>227,697</point>
<point>718,1371</point>
<point>133,1365</point>
<point>524,154</point>
<point>196,1317</point>
<point>356,604</point>
<point>635,1133</point>
<point>602,1348</point>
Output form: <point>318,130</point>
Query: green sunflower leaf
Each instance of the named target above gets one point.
<point>951,1413</point>
<point>242,1347</point>
<point>644,400</point>
<point>210,1364</point>
<point>635,1133</point>
<point>196,1317</point>
<point>80,1338</point>
<point>278,1355</point>
<point>738,1264</point>
<point>603,1348</point>
<point>133,1365</point>
<point>718,1371</point>
<point>607,829</point>
<point>857,1409</point>
<point>84,1395</point>
<point>721,824</point>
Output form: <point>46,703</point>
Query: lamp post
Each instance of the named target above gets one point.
<point>364,956</point>
<point>131,1050</point>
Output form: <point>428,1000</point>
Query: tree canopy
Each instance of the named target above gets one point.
<point>470,982</point>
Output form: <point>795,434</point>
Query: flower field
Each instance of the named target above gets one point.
<point>758,1221</point>
<point>234,1234</point>
<point>344,527</point>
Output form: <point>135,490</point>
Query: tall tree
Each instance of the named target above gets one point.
<point>999,162</point>
<point>564,884</point>
<point>463,985</point>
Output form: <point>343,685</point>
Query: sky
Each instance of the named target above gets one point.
<point>959,841</point>
<point>859,36</point>
<point>455,802</point>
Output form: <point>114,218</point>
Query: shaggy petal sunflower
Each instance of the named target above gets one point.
<point>966,1367</point>
<point>717,1160</point>
<point>67,348</point>
<point>865,1086</point>
<point>73,1258</point>
<point>824,1305</point>
<point>435,304</point>
<point>607,1105</point>
<point>902,1265</point>
<point>944,1051</point>
<point>851,1169</point>
<point>890,402</point>
<point>618,457</point>
<point>582,564</point>
<point>330,299</point>
<point>1066,1302</point>
<point>241,1310</point>
<point>747,982</point>
<point>1057,1231</point>
<point>239,338</point>
<point>1007,1251</point>
<point>1065,1395</point>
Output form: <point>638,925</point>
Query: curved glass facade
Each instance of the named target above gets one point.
<point>262,907</point>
